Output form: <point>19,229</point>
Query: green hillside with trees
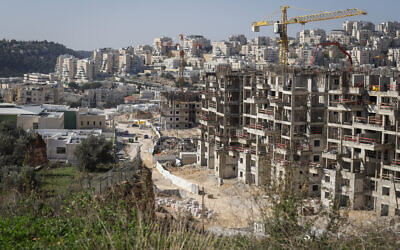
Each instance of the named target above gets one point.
<point>19,57</point>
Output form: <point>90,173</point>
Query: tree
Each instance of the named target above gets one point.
<point>13,144</point>
<point>93,151</point>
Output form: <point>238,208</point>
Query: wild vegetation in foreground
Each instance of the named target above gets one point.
<point>114,220</point>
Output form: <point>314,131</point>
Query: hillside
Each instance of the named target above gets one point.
<point>19,57</point>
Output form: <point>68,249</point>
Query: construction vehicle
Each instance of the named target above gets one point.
<point>280,27</point>
<point>335,44</point>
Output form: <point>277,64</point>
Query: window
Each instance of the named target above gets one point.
<point>241,161</point>
<point>177,105</point>
<point>60,150</point>
<point>177,118</point>
<point>345,183</point>
<point>327,195</point>
<point>81,123</point>
<point>177,112</point>
<point>316,158</point>
<point>300,172</point>
<point>87,122</point>
<point>327,178</point>
<point>385,190</point>
<point>94,123</point>
<point>241,174</point>
<point>384,210</point>
<point>317,143</point>
<point>315,188</point>
<point>100,123</point>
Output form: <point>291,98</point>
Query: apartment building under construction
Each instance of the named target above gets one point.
<point>180,110</point>
<point>334,133</point>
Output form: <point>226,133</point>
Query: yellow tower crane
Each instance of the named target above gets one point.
<point>280,27</point>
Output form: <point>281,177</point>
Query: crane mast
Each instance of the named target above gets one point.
<point>181,79</point>
<point>280,27</point>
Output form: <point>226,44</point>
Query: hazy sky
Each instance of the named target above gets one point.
<point>90,24</point>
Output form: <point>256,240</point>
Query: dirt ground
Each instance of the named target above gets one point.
<point>232,202</point>
<point>182,133</point>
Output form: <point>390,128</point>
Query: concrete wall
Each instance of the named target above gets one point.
<point>25,122</point>
<point>156,131</point>
<point>164,158</point>
<point>178,181</point>
<point>188,157</point>
<point>51,122</point>
<point>85,121</point>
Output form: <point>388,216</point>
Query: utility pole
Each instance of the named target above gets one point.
<point>203,208</point>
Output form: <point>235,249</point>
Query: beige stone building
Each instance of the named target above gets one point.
<point>22,94</point>
<point>89,119</point>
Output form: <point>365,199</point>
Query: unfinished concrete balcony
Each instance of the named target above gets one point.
<point>304,147</point>
<point>237,149</point>
<point>336,90</point>
<point>387,108</point>
<point>332,154</point>
<point>243,137</point>
<point>276,102</point>
<point>257,151</point>
<point>233,138</point>
<point>370,122</point>
<point>393,165</point>
<point>345,104</point>
<point>368,142</point>
<point>391,176</point>
<point>256,128</point>
<point>281,148</point>
<point>389,90</point>
<point>257,99</point>
<point>263,86</point>
<point>267,113</point>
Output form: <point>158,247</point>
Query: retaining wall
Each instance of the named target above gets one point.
<point>158,134</point>
<point>178,181</point>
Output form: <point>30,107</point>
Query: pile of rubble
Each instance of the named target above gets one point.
<point>188,205</point>
<point>172,145</point>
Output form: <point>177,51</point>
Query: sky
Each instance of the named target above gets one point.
<point>91,24</point>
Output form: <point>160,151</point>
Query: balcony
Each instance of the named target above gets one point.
<point>365,142</point>
<point>266,113</point>
<point>331,154</point>
<point>275,101</point>
<point>370,121</point>
<point>236,149</point>
<point>258,129</point>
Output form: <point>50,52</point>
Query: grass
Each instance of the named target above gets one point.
<point>58,181</point>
